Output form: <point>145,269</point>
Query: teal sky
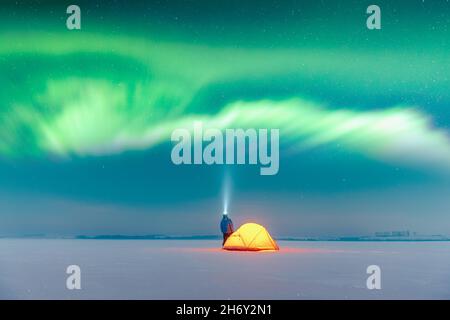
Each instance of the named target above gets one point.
<point>86,116</point>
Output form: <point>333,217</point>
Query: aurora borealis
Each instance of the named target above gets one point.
<point>85,113</point>
<point>141,112</point>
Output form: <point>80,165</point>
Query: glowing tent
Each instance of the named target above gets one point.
<point>251,237</point>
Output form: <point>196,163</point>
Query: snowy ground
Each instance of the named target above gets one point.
<point>191,269</point>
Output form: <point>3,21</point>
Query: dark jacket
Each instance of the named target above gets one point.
<point>226,225</point>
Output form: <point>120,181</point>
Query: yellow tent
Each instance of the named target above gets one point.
<point>251,237</point>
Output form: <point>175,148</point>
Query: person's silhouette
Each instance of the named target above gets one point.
<point>226,226</point>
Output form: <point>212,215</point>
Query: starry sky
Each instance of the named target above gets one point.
<point>86,116</point>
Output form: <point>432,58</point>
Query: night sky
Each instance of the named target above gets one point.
<point>86,116</point>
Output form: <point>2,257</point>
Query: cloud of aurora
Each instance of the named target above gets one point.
<point>131,93</point>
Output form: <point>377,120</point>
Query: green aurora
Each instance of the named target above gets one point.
<point>86,115</point>
<point>71,114</point>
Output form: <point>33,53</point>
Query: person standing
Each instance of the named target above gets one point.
<point>226,226</point>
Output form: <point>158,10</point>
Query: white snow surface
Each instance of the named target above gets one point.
<point>199,269</point>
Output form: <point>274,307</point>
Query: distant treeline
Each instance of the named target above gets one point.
<point>147,237</point>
